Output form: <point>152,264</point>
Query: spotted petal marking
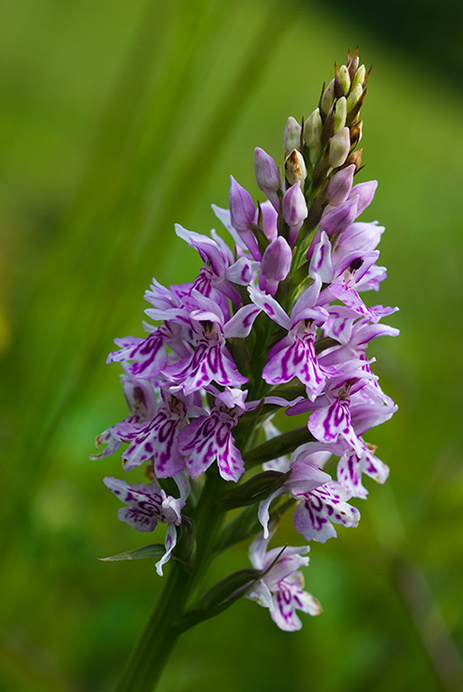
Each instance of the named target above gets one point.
<point>351,467</point>
<point>148,355</point>
<point>296,359</point>
<point>211,362</point>
<point>290,597</point>
<point>158,440</point>
<point>319,508</point>
<point>327,423</point>
<point>209,438</point>
<point>281,589</point>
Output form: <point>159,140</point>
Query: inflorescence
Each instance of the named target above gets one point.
<point>274,322</point>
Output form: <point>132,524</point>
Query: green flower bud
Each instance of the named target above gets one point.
<point>291,135</point>
<point>313,130</point>
<point>338,88</point>
<point>327,98</point>
<point>295,168</point>
<point>345,78</point>
<point>359,77</point>
<point>354,97</point>
<point>341,114</point>
<point>339,148</point>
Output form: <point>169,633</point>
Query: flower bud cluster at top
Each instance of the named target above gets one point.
<point>273,321</point>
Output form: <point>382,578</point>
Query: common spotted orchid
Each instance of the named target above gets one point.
<point>274,325</point>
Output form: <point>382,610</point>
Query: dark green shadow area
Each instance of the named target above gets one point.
<point>420,31</point>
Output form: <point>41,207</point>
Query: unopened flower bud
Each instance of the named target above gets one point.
<point>313,129</point>
<point>242,213</point>
<point>365,193</point>
<point>295,169</point>
<point>344,76</point>
<point>291,135</point>
<point>242,210</point>
<point>340,217</point>
<point>268,220</point>
<point>327,98</point>
<point>338,88</point>
<point>339,148</point>
<point>340,185</point>
<point>267,175</point>
<point>275,265</point>
<point>341,114</point>
<point>354,97</point>
<point>294,210</point>
<point>359,77</point>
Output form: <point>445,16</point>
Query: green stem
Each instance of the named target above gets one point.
<point>153,650</point>
<point>208,520</point>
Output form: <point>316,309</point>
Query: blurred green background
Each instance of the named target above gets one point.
<point>117,120</point>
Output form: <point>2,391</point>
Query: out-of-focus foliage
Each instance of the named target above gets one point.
<point>117,120</point>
